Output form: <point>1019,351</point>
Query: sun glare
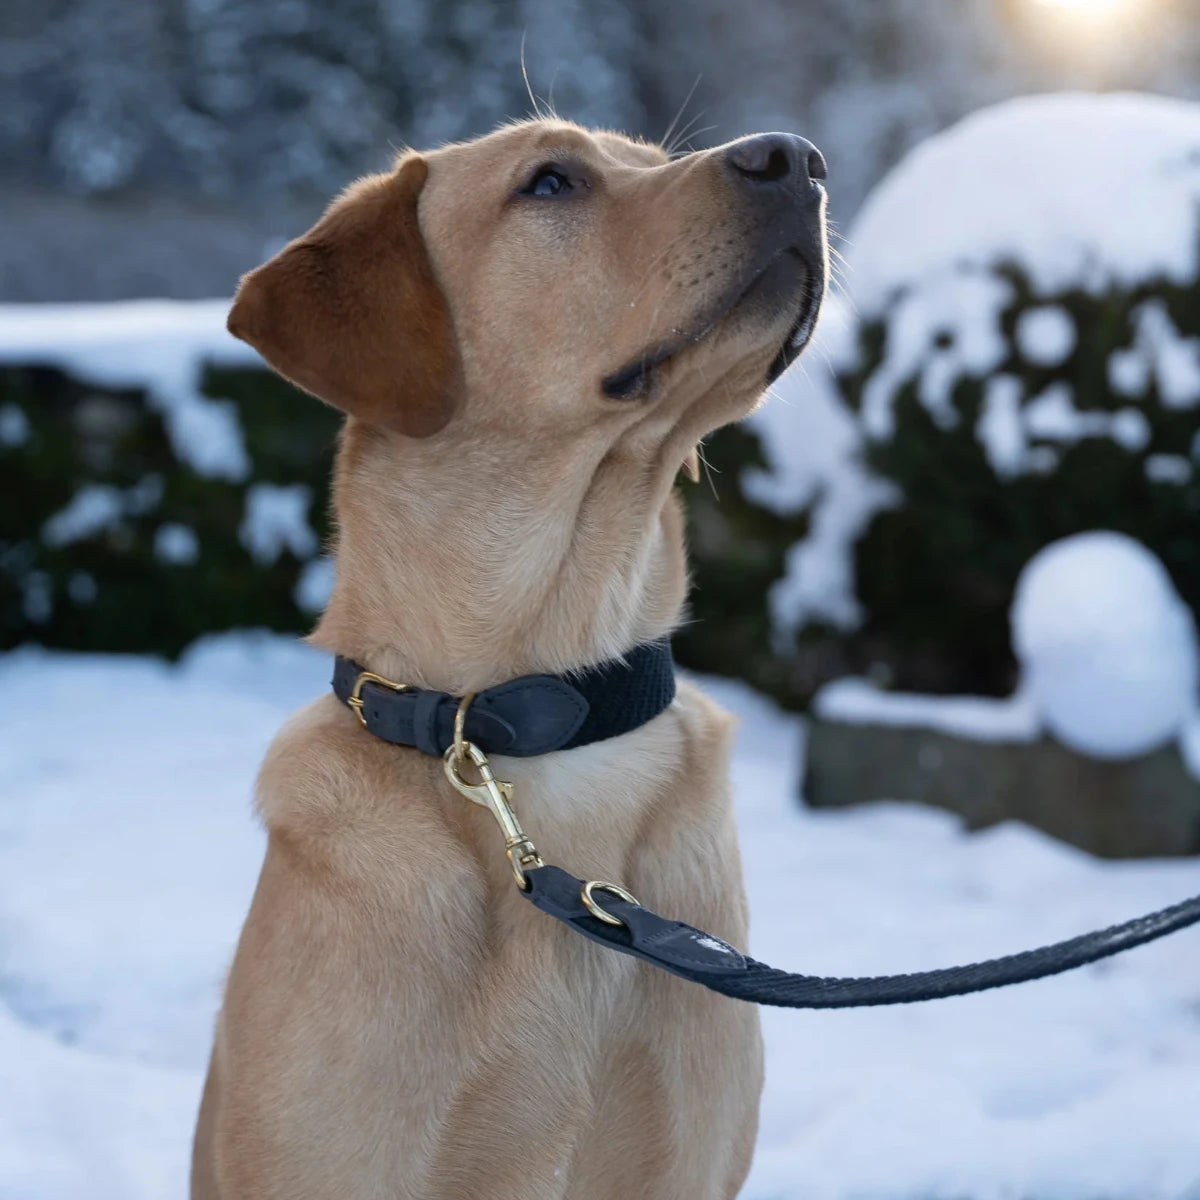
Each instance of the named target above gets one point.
<point>1089,8</point>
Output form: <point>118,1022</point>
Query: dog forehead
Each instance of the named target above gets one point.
<point>514,144</point>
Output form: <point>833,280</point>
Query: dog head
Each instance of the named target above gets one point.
<point>547,278</point>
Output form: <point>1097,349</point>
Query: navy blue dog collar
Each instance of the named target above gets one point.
<point>533,714</point>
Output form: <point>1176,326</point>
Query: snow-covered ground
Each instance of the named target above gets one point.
<point>127,856</point>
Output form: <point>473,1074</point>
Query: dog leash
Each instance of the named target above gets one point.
<point>624,925</point>
<point>539,713</point>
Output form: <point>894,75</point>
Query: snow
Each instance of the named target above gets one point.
<point>1082,190</point>
<point>315,584</point>
<point>999,429</point>
<point>937,333</point>
<point>158,345</point>
<point>37,600</point>
<point>276,520</point>
<point>98,506</point>
<point>14,425</point>
<point>1130,429</point>
<point>128,854</point>
<point>1046,335</point>
<point>1052,415</point>
<point>1107,648</point>
<point>92,508</point>
<point>1159,347</point>
<point>802,421</point>
<point>1168,468</point>
<point>813,450</point>
<point>176,543</point>
<point>979,718</point>
<point>1128,372</point>
<point>82,587</point>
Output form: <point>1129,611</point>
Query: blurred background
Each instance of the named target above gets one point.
<point>948,574</point>
<point>161,147</point>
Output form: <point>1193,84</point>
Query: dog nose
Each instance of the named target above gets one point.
<point>777,158</point>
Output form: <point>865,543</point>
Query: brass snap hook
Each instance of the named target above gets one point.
<point>494,794</point>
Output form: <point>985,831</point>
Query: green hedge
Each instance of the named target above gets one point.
<point>112,588</point>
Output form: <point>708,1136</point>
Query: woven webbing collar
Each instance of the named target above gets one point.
<point>530,715</point>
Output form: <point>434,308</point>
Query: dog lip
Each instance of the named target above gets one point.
<point>799,334</point>
<point>630,381</point>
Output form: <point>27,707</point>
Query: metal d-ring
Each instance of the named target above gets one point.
<point>614,889</point>
<point>460,725</point>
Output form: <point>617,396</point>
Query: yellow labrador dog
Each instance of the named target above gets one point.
<point>530,334</point>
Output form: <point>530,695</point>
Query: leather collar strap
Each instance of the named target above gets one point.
<point>530,715</point>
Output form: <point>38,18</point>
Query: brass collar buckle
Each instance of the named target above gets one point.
<point>355,699</point>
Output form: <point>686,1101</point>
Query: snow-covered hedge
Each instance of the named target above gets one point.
<point>159,484</point>
<point>1019,362</point>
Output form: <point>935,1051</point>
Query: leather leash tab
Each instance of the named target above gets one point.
<point>672,945</point>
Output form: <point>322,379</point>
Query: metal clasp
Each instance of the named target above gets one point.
<point>602,885</point>
<point>355,699</point>
<point>493,794</point>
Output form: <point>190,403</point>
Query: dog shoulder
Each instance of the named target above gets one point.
<point>708,728</point>
<point>329,787</point>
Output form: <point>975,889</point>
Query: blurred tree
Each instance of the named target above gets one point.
<point>161,146</point>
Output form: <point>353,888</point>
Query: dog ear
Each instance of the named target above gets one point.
<point>353,313</point>
<point>691,464</point>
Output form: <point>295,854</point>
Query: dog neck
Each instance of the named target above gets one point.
<point>459,569</point>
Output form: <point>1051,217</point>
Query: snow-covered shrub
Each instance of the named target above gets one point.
<point>159,483</point>
<point>1023,365</point>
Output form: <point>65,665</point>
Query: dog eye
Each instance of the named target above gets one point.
<point>547,181</point>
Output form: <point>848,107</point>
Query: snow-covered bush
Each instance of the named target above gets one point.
<point>1022,364</point>
<point>159,483</point>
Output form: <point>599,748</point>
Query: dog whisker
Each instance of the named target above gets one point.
<point>665,140</point>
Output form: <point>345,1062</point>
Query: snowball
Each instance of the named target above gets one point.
<point>1045,335</point>
<point>1107,648</point>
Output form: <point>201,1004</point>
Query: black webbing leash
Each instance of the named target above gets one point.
<point>702,958</point>
<point>535,714</point>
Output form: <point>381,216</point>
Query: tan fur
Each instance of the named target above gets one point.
<point>399,1022</point>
